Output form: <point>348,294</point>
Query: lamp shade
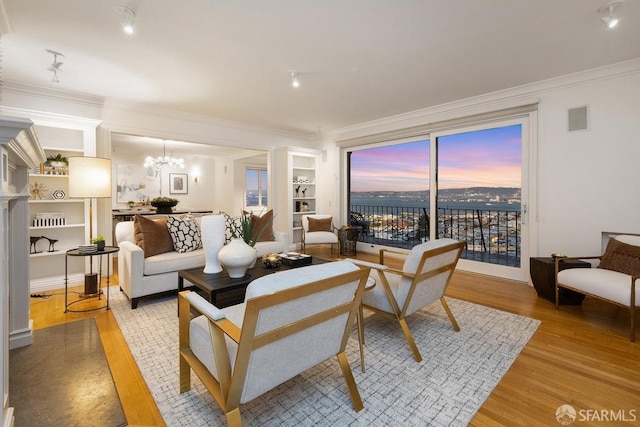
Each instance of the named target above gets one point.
<point>89,177</point>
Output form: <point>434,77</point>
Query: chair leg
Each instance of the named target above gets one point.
<point>185,375</point>
<point>450,314</point>
<point>351,382</point>
<point>233,418</point>
<point>633,323</point>
<point>410,340</point>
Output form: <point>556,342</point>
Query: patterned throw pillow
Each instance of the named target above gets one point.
<point>621,257</point>
<point>185,233</point>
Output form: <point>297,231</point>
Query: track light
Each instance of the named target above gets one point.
<point>55,65</point>
<point>610,19</point>
<point>294,78</point>
<point>128,19</point>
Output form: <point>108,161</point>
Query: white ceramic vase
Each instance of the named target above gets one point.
<point>236,257</point>
<point>212,230</point>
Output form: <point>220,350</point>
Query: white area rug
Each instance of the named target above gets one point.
<point>457,374</point>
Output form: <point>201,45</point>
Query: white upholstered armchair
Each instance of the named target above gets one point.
<point>423,279</point>
<point>615,281</point>
<point>318,229</point>
<point>289,322</point>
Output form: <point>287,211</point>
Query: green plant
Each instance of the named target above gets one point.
<point>57,158</point>
<point>163,202</point>
<point>98,239</point>
<point>243,227</point>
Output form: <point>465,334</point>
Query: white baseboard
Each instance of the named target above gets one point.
<point>55,282</point>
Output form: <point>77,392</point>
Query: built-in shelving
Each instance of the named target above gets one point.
<point>299,179</point>
<point>46,268</point>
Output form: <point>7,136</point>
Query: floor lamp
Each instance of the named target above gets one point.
<point>90,178</point>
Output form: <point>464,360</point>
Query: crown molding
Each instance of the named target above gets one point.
<point>201,119</point>
<point>499,100</point>
<point>116,105</point>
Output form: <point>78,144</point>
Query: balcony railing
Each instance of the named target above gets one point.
<point>492,236</point>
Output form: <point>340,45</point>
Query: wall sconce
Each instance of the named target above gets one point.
<point>195,179</point>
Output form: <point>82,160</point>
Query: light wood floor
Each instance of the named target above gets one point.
<point>580,355</point>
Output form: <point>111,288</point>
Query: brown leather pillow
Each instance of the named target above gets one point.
<point>319,224</point>
<point>621,257</point>
<point>152,235</point>
<point>262,223</point>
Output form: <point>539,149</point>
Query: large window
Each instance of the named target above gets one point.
<point>389,193</point>
<point>256,187</point>
<point>465,184</point>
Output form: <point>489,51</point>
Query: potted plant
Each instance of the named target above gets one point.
<point>164,205</point>
<point>239,254</point>
<point>56,165</point>
<point>243,228</point>
<point>99,241</point>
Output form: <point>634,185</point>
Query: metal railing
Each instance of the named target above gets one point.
<point>492,236</point>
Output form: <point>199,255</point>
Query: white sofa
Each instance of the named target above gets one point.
<point>140,277</point>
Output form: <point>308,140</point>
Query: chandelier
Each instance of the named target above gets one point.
<point>159,162</point>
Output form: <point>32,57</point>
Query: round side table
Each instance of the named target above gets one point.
<point>108,250</point>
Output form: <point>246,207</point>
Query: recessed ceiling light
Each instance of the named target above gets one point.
<point>128,17</point>
<point>295,82</point>
<point>610,19</point>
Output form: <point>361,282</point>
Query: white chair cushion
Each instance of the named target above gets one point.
<point>608,284</point>
<point>320,237</point>
<point>173,261</point>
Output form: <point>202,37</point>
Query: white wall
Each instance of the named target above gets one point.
<point>586,182</point>
<point>589,181</point>
<point>200,195</point>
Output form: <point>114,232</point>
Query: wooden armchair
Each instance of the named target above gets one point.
<point>289,322</point>
<point>616,279</point>
<point>423,279</point>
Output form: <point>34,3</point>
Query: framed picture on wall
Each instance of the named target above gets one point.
<point>178,183</point>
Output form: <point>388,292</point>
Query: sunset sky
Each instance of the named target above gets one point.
<point>488,158</point>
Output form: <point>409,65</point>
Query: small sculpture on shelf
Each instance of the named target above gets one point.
<point>303,193</point>
<point>52,243</point>
<point>38,190</point>
<point>34,240</point>
<point>297,190</point>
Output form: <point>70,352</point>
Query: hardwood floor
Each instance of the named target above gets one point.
<point>580,355</point>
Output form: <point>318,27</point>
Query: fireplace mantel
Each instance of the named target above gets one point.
<point>19,152</point>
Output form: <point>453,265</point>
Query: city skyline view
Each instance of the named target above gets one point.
<point>485,158</point>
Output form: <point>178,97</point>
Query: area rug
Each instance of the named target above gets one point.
<point>63,379</point>
<point>457,374</point>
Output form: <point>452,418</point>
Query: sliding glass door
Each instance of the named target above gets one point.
<point>481,192</point>
<point>466,183</point>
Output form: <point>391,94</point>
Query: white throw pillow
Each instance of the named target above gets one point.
<point>185,233</point>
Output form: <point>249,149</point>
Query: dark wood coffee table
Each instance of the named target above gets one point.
<point>220,289</point>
